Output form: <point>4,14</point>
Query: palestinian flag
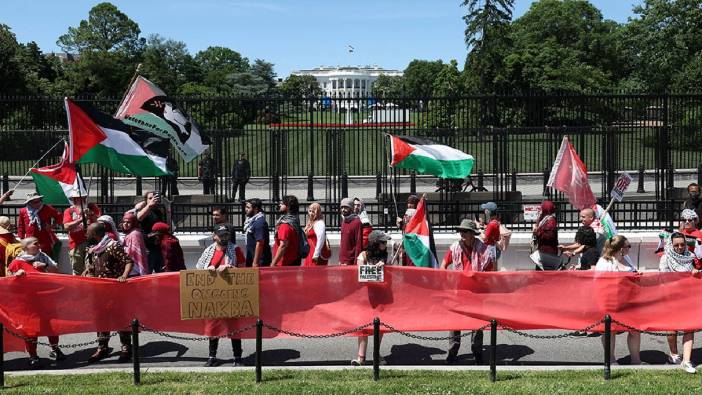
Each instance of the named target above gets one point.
<point>416,239</point>
<point>147,107</point>
<point>57,183</point>
<point>428,157</point>
<point>96,137</point>
<point>604,221</point>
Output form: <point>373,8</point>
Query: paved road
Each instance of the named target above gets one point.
<point>397,350</point>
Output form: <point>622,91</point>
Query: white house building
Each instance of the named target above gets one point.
<point>347,81</point>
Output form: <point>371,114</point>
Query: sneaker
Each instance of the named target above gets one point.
<point>674,359</point>
<point>687,367</point>
<point>124,356</point>
<point>211,362</point>
<point>99,354</point>
<point>34,363</point>
<point>358,361</point>
<point>57,355</point>
<point>238,362</point>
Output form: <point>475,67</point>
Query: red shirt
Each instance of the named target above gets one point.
<point>292,254</point>
<point>218,257</point>
<point>18,264</point>
<point>172,254</point>
<point>46,235</point>
<point>492,233</point>
<point>351,242</point>
<point>77,235</point>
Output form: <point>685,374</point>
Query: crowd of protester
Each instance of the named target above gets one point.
<point>144,243</point>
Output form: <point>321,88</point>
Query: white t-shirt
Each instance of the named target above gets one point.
<point>611,265</point>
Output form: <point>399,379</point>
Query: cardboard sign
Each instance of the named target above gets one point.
<point>531,212</point>
<point>621,186</point>
<point>371,274</point>
<point>230,294</point>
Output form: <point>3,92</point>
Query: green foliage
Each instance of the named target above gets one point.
<point>300,86</point>
<point>10,68</point>
<point>168,64</point>
<point>388,86</point>
<point>419,77</point>
<point>106,29</point>
<point>442,113</point>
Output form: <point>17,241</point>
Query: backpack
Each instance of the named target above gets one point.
<point>12,250</point>
<point>304,245</point>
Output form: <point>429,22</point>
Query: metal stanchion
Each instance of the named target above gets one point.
<point>493,350</point>
<point>310,187</point>
<point>376,349</point>
<point>259,346</point>
<point>607,344</point>
<point>2,356</point>
<point>135,351</point>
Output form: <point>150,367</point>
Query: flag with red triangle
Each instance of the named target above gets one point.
<point>416,238</point>
<point>58,183</point>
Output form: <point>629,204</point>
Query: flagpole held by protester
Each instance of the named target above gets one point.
<point>36,163</point>
<point>129,86</point>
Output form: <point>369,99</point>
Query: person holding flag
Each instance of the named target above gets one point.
<point>74,219</point>
<point>35,220</point>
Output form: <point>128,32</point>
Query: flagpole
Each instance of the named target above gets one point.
<point>390,168</point>
<point>36,163</point>
<point>129,86</point>
<point>81,183</point>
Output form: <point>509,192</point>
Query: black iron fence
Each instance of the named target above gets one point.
<point>443,216</point>
<point>332,137</point>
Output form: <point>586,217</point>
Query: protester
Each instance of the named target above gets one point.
<point>467,254</point>
<point>219,256</point>
<point>412,202</point>
<point>171,251</point>
<point>6,196</point>
<point>316,233</point>
<point>615,258</point>
<point>359,208</point>
<point>106,258</point>
<point>241,173</point>
<point>351,239</point>
<point>693,201</point>
<point>585,245</point>
<point>73,223</point>
<point>678,258</point>
<point>111,228</point>
<point>688,228</point>
<point>588,217</point>
<point>33,260</point>
<point>376,254</point>
<point>220,215</point>
<point>207,174</point>
<point>8,244</point>
<point>496,236</point>
<point>35,219</point>
<point>545,238</point>
<point>258,249</point>
<point>134,244</point>
<point>150,211</point>
<point>288,234</point>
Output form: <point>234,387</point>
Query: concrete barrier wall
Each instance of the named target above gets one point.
<point>515,258</point>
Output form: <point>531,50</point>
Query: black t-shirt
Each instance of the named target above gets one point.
<point>586,236</point>
<point>589,258</point>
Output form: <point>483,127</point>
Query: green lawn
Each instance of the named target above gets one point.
<point>360,382</point>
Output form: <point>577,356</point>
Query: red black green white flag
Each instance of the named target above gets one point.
<point>57,183</point>
<point>427,157</point>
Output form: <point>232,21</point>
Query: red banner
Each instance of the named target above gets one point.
<point>321,300</point>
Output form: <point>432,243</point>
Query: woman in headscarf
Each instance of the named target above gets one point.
<point>678,258</point>
<point>316,233</point>
<point>110,227</point>
<point>545,237</point>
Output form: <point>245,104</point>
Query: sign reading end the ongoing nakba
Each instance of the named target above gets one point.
<point>230,294</point>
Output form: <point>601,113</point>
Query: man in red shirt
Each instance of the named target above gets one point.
<point>467,254</point>
<point>286,248</point>
<point>73,224</point>
<point>35,219</point>
<point>351,242</point>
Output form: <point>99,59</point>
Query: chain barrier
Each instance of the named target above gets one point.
<point>631,328</point>
<point>327,336</point>
<point>431,338</point>
<point>64,346</point>
<point>574,334</point>
<point>197,338</point>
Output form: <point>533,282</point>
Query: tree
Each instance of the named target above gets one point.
<point>447,85</point>
<point>388,86</point>
<point>106,29</point>
<point>664,41</point>
<point>10,74</point>
<point>419,77</point>
<point>218,63</point>
<point>487,39</point>
<point>168,64</point>
<point>264,70</point>
<point>301,86</point>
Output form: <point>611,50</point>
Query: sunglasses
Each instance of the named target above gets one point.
<point>627,246</point>
<point>688,220</point>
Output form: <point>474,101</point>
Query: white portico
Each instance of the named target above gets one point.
<point>348,81</point>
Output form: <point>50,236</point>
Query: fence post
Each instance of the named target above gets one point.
<point>344,185</point>
<point>2,355</point>
<point>493,350</point>
<point>139,187</point>
<point>640,188</point>
<point>376,349</point>
<point>413,183</point>
<point>259,346</point>
<point>481,175</point>
<point>378,186</point>
<point>276,186</point>
<point>607,344</point>
<point>547,174</point>
<point>514,180</point>
<point>699,175</point>
<point>310,188</point>
<point>135,351</point>
<point>5,182</point>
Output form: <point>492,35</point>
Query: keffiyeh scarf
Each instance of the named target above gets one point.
<point>250,221</point>
<point>34,216</point>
